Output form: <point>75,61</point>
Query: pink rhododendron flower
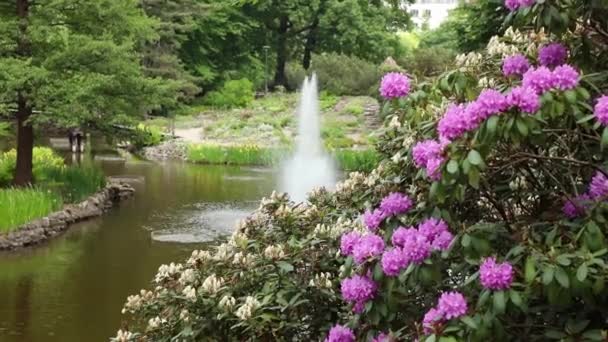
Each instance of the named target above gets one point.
<point>394,85</point>
<point>495,276</point>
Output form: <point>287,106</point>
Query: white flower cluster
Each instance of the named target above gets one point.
<point>199,256</point>
<point>394,123</point>
<point>135,302</point>
<point>336,230</point>
<point>188,277</point>
<point>471,59</point>
<point>245,311</point>
<point>223,252</point>
<point>243,259</point>
<point>275,197</point>
<point>496,47</point>
<point>184,315</point>
<point>167,272</point>
<point>156,322</point>
<point>284,211</point>
<point>274,252</point>
<point>321,280</point>
<point>516,36</point>
<point>190,293</point>
<point>212,284</point>
<point>349,184</point>
<point>486,82</point>
<point>227,303</point>
<point>238,239</point>
<point>123,336</point>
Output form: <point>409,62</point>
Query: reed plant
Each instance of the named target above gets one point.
<point>356,160</point>
<point>249,154</point>
<point>19,206</point>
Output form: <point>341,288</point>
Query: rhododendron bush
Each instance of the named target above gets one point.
<point>486,221</point>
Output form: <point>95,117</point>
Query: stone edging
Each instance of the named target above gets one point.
<point>41,230</point>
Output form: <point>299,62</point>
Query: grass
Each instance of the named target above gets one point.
<point>357,160</point>
<point>19,206</point>
<point>234,155</point>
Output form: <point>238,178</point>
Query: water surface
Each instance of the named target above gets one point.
<point>72,289</point>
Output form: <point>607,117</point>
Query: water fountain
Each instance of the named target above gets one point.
<point>310,166</point>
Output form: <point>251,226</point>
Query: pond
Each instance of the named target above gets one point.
<point>73,288</point>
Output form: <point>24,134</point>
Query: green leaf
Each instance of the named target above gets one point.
<point>500,302</point>
<point>466,240</point>
<point>285,266</point>
<point>530,270</point>
<point>570,96</point>
<point>469,321</point>
<point>548,274</point>
<point>474,178</point>
<point>485,294</point>
<point>453,166</point>
<point>431,338</point>
<point>562,277</point>
<point>605,138</point>
<point>581,272</point>
<point>492,124</point>
<point>555,335</point>
<point>563,260</point>
<point>474,158</point>
<point>594,335</point>
<point>522,127</point>
<point>516,298</point>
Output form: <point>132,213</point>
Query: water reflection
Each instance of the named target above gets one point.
<point>73,288</point>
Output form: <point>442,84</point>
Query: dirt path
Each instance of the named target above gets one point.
<point>193,135</point>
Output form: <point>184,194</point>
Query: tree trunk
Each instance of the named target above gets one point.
<point>309,46</point>
<point>25,131</point>
<point>25,145</point>
<point>280,79</point>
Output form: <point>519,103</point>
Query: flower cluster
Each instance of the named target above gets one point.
<point>601,110</point>
<point>451,305</point>
<point>368,246</point>
<point>340,333</point>
<point>598,191</point>
<point>428,154</point>
<point>542,79</point>
<point>459,119</point>
<point>495,276</point>
<point>515,65</point>
<point>393,204</point>
<point>576,207</point>
<point>513,5</point>
<point>394,85</point>
<point>245,311</point>
<point>552,55</point>
<point>396,203</point>
<point>598,188</point>
<point>358,290</point>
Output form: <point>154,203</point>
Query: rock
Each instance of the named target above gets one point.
<point>168,150</point>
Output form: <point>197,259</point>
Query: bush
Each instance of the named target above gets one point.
<point>146,135</point>
<point>235,93</point>
<point>338,74</point>
<point>428,62</point>
<point>43,159</point>
<point>20,206</point>
<point>505,197</point>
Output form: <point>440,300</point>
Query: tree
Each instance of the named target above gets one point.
<point>161,59</point>
<point>297,28</point>
<point>223,30</point>
<point>67,63</point>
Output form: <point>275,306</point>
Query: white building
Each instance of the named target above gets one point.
<point>430,12</point>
